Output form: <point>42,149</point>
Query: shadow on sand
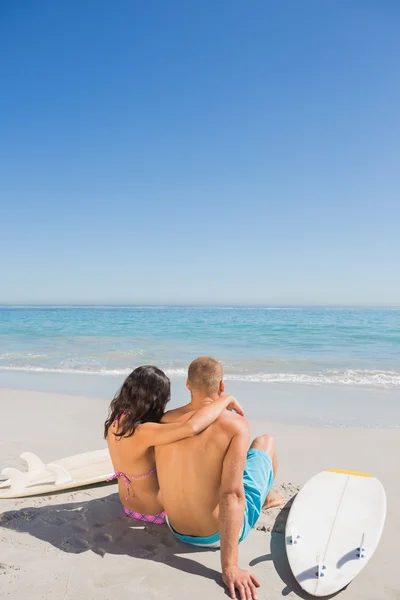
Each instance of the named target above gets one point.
<point>100,525</point>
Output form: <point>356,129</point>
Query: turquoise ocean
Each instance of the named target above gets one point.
<point>317,346</point>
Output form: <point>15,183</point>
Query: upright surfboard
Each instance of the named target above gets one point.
<point>333,529</point>
<point>66,473</point>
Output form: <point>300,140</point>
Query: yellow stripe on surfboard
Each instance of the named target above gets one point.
<point>344,472</point>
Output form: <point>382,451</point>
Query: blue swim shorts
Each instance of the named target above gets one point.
<point>258,477</point>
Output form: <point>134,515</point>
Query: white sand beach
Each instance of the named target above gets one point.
<point>80,545</point>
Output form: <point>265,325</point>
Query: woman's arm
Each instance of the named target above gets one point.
<point>157,434</point>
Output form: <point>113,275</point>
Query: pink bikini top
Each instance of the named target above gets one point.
<point>127,478</point>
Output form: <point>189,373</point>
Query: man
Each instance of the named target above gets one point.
<point>213,488</point>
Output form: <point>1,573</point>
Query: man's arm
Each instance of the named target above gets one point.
<point>231,513</point>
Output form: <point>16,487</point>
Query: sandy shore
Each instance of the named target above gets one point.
<point>345,405</point>
<point>80,545</point>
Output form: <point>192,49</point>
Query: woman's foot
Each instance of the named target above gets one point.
<point>273,500</point>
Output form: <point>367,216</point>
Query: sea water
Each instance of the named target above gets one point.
<point>316,346</point>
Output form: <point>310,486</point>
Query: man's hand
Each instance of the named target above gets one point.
<point>242,581</point>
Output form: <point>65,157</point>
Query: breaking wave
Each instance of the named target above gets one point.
<point>347,377</point>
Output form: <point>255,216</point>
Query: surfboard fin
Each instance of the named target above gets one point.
<point>320,567</point>
<point>14,478</point>
<point>293,533</point>
<point>61,475</point>
<point>34,463</point>
<point>361,549</point>
<point>37,474</point>
<point>18,480</point>
<point>73,471</point>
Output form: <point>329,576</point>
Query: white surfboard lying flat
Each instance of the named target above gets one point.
<point>63,474</point>
<point>333,528</point>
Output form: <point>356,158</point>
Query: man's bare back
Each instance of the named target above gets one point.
<point>190,472</point>
<point>212,486</point>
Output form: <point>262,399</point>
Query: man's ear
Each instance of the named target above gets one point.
<point>222,386</point>
<point>187,384</point>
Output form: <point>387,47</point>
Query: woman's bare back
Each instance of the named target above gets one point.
<point>137,478</point>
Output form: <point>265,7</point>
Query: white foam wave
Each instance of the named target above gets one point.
<point>67,371</point>
<point>87,371</point>
<point>345,377</point>
<point>348,377</point>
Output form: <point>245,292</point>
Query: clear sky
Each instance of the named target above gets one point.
<point>200,151</point>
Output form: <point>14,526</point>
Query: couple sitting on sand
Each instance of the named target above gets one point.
<point>210,485</point>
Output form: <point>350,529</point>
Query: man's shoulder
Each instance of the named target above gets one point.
<point>176,414</point>
<point>233,423</point>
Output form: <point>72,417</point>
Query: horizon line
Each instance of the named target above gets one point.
<point>190,305</point>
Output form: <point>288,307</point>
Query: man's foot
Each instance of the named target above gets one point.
<point>273,500</point>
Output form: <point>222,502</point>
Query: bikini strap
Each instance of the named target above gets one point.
<point>125,479</point>
<point>128,478</point>
<point>117,418</point>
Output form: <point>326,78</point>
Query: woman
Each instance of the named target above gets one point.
<point>132,430</point>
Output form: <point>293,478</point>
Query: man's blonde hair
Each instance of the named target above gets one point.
<point>205,375</point>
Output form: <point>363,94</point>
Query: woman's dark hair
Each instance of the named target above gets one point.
<point>141,399</point>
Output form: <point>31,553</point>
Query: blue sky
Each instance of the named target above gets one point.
<point>200,152</point>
